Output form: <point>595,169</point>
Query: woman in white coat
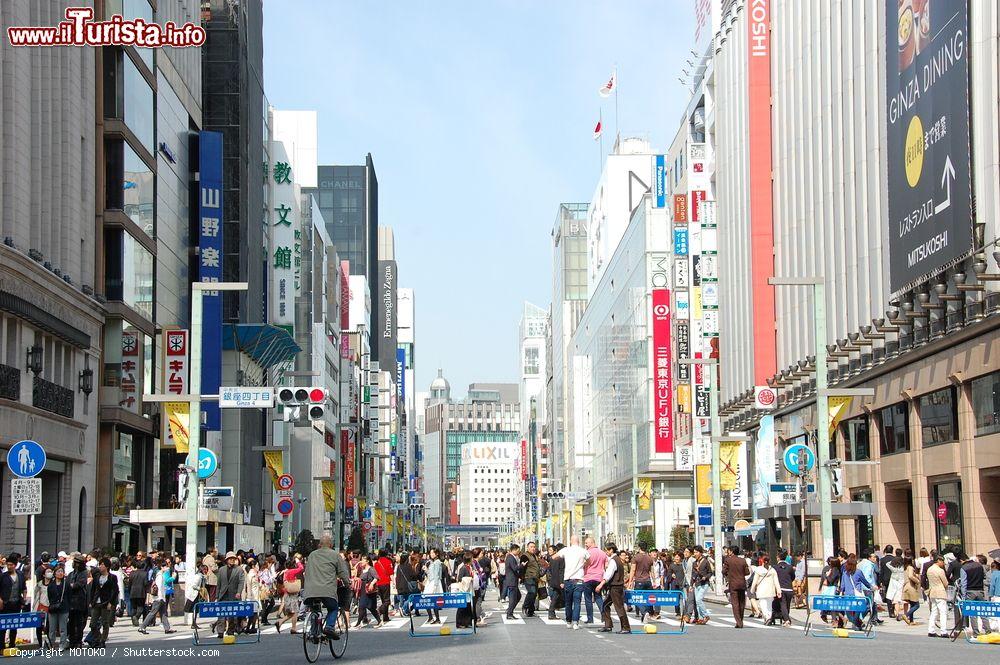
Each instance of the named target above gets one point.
<point>434,580</point>
<point>766,587</point>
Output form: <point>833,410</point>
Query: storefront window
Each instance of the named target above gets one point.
<point>948,514</point>
<point>986,403</point>
<point>855,432</point>
<point>894,422</point>
<point>938,417</point>
<point>864,524</point>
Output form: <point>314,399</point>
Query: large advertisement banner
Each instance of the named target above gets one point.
<point>927,98</point>
<point>663,388</point>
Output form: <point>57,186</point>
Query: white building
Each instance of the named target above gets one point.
<point>489,483</point>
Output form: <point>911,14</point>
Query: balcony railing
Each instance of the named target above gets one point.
<point>52,397</point>
<point>10,382</point>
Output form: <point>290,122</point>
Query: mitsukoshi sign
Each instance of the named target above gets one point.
<point>927,113</point>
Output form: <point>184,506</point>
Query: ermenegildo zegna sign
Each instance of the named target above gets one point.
<point>927,110</point>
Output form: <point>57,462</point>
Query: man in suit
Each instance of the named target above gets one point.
<point>231,578</point>
<point>736,571</point>
<point>512,578</point>
<point>13,596</point>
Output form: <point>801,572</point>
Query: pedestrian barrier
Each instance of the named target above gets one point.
<point>441,601</point>
<point>861,605</point>
<point>18,621</point>
<point>656,598</point>
<point>983,609</point>
<point>222,610</point>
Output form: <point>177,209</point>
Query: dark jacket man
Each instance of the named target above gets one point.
<point>10,588</point>
<point>231,580</point>
<point>736,571</point>
<point>513,571</point>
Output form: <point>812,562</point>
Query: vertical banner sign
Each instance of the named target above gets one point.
<point>703,484</point>
<point>697,198</point>
<point>680,208</point>
<point>683,352</point>
<point>837,407</point>
<point>660,178</point>
<point>765,461</point>
<point>738,498</point>
<point>645,498</point>
<point>329,496</point>
<point>210,268</point>
<point>285,237</point>
<point>345,308</point>
<point>927,97</point>
<point>524,459</point>
<point>130,369</point>
<point>729,452</point>
<point>663,392</point>
<point>400,376</point>
<point>347,449</point>
<point>761,222</point>
<point>274,463</point>
<point>175,381</point>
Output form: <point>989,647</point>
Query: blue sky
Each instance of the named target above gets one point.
<point>479,116</point>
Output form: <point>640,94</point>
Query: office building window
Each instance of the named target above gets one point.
<point>938,417</point>
<point>855,431</point>
<point>986,403</point>
<point>894,424</point>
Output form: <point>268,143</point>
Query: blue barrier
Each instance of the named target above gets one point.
<point>983,609</point>
<point>223,610</point>
<point>656,598</point>
<point>861,605</point>
<point>22,620</point>
<point>441,601</point>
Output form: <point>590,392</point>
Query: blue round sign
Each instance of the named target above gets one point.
<point>793,455</point>
<point>208,463</point>
<point>26,459</point>
<point>285,506</point>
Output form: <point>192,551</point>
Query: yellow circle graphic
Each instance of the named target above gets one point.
<point>913,153</point>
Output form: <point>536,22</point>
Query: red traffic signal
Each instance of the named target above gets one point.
<point>317,395</point>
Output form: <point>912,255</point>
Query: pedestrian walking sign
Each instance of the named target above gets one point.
<point>26,459</point>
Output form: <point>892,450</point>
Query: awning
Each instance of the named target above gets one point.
<point>178,517</point>
<point>268,345</point>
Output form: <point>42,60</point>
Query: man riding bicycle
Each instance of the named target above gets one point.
<point>326,573</point>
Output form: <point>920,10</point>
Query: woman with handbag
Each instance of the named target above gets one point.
<point>369,595</point>
<point>408,581</point>
<point>291,586</point>
<point>434,580</point>
<point>195,591</point>
<point>58,608</point>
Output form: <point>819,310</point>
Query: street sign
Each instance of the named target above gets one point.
<point>285,506</point>
<point>286,481</point>
<point>25,496</point>
<point>366,513</point>
<point>704,515</point>
<point>783,493</point>
<point>366,525</point>
<point>217,498</point>
<point>792,456</point>
<point>26,459</point>
<point>208,463</point>
<point>246,397</point>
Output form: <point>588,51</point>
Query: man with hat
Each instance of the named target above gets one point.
<point>231,578</point>
<point>211,579</point>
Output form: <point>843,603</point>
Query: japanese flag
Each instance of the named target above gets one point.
<point>597,130</point>
<point>609,87</point>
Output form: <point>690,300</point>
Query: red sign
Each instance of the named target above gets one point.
<point>285,481</point>
<point>680,208</point>
<point>761,204</point>
<point>439,602</point>
<point>347,451</point>
<point>524,459</point>
<point>697,196</point>
<point>942,513</point>
<point>663,411</point>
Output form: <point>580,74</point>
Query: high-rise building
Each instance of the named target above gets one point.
<point>348,199</point>
<point>51,315</point>
<point>490,413</point>
<point>489,483</point>
<point>532,332</point>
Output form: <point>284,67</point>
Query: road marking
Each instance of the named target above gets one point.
<point>552,622</point>
<point>516,620</point>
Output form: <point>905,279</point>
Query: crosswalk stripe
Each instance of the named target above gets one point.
<point>516,620</point>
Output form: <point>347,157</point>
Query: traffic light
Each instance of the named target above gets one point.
<point>293,399</point>
<point>555,495</point>
<point>290,406</point>
<point>316,397</point>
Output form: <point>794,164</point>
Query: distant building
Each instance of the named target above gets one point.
<point>489,483</point>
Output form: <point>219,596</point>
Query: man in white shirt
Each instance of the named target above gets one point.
<point>576,559</point>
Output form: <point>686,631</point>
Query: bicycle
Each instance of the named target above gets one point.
<point>313,636</point>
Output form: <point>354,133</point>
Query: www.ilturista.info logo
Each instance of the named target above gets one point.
<point>79,29</point>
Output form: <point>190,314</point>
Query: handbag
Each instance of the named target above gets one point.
<point>293,586</point>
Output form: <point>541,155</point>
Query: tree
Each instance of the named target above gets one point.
<point>305,543</point>
<point>646,540</point>
<point>356,541</point>
<point>680,537</point>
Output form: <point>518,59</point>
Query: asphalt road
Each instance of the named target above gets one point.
<point>537,640</point>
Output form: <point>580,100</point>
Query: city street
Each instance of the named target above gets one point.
<point>540,640</point>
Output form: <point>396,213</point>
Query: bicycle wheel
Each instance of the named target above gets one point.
<point>339,647</point>
<point>312,637</point>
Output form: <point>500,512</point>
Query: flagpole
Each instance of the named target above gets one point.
<point>600,156</point>
<point>617,135</point>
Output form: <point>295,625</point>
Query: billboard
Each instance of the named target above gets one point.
<point>927,113</point>
<point>660,180</point>
<point>663,389</point>
<point>210,268</point>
